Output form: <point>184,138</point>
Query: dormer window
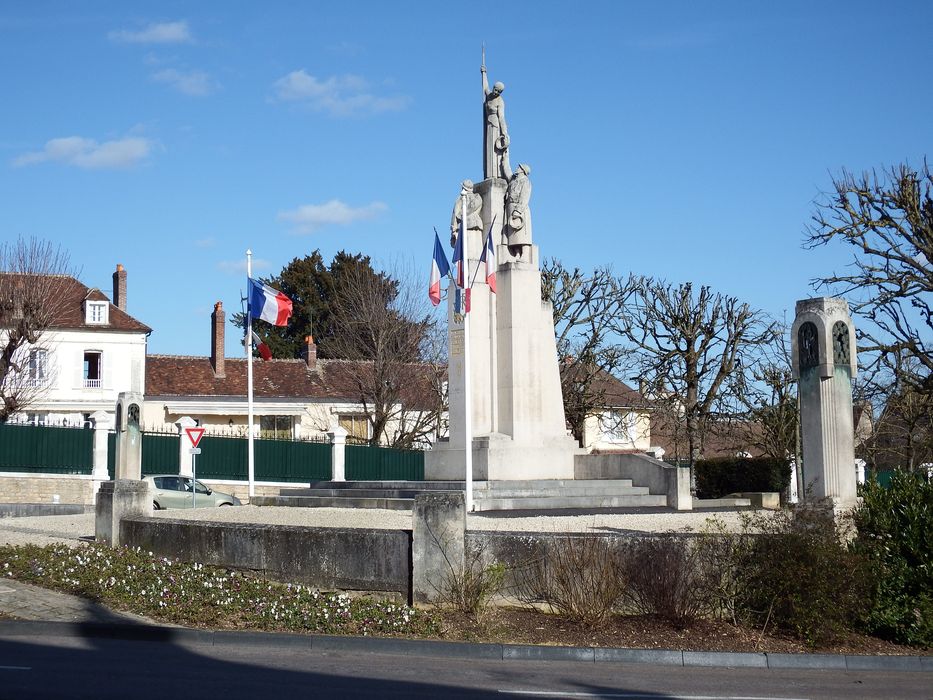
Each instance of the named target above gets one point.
<point>96,313</point>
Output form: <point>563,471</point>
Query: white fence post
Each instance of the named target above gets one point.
<point>338,442</point>
<point>184,451</point>
<point>103,423</point>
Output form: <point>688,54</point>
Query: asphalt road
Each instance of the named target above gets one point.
<point>87,667</point>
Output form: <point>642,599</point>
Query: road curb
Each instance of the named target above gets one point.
<point>464,650</point>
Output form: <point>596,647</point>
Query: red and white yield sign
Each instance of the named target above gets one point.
<point>194,434</point>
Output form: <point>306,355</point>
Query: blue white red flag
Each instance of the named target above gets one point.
<point>268,304</point>
<point>439,268</point>
<point>489,257</point>
<point>264,352</point>
<point>458,258</point>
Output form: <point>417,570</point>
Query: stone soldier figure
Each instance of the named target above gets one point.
<point>496,132</point>
<point>474,203</point>
<point>517,212</point>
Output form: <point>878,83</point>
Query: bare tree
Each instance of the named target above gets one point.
<point>584,308</point>
<point>902,437</point>
<point>770,401</point>
<point>887,219</point>
<point>389,350</point>
<point>33,274</point>
<point>692,348</point>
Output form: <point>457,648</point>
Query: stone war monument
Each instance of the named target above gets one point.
<point>518,430</point>
<point>824,363</point>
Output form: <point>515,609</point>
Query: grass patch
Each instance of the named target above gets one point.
<point>196,595</point>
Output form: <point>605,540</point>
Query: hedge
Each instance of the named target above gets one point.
<point>719,477</point>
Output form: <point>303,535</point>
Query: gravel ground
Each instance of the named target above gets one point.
<point>72,529</point>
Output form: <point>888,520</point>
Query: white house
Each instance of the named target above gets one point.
<point>93,350</point>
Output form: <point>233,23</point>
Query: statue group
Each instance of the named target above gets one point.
<point>516,229</point>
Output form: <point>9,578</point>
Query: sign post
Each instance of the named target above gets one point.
<point>194,435</point>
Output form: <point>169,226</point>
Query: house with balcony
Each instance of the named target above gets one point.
<point>92,351</point>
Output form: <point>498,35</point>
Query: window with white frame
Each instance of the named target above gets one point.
<point>96,312</point>
<point>93,366</point>
<point>38,366</point>
<point>618,427</point>
<point>275,427</point>
<point>356,425</point>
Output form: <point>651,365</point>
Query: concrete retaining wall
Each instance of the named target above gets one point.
<point>327,558</point>
<point>27,510</point>
<point>660,478</point>
<point>44,488</point>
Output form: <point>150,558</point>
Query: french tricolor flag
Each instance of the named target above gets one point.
<point>489,257</point>
<point>439,268</point>
<point>268,304</point>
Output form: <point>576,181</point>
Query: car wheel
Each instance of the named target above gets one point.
<point>225,504</point>
<point>156,506</point>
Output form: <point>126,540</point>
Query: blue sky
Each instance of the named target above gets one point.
<point>684,140</point>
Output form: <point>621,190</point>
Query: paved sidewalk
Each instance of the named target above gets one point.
<point>24,601</point>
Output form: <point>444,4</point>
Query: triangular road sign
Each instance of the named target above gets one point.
<point>194,434</point>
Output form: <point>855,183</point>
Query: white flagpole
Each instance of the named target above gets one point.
<point>468,413</point>
<point>250,468</point>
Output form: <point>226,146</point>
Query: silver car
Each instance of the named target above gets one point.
<point>174,491</point>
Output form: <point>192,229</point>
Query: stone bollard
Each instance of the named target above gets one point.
<point>437,543</point>
<point>117,500</point>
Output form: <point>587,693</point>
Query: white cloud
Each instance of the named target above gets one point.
<point>339,95</point>
<point>89,154</point>
<point>156,33</point>
<point>197,83</point>
<point>311,217</point>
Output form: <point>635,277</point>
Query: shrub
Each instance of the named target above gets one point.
<point>470,589</point>
<point>576,577</point>
<point>663,578</point>
<point>895,532</point>
<point>719,477</point>
<point>797,575</point>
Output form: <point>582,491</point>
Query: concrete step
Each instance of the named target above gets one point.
<point>357,493</point>
<point>551,485</point>
<point>570,502</point>
<point>588,491</point>
<point>354,485</point>
<point>334,502</point>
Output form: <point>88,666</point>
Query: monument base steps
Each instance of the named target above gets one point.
<point>530,494</point>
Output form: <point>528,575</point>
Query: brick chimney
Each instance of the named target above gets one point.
<point>119,288</point>
<point>310,352</point>
<point>217,340</point>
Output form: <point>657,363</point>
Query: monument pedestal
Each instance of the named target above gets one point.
<point>519,430</point>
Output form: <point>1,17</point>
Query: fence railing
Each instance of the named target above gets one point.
<point>371,463</point>
<point>46,450</point>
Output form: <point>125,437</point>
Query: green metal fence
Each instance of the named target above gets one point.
<point>52,450</point>
<point>46,450</point>
<point>160,453</point>
<point>275,460</point>
<point>369,463</point>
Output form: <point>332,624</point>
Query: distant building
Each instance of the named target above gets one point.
<point>292,398</point>
<point>92,352</point>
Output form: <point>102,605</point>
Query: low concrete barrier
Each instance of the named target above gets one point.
<point>327,558</point>
<point>659,477</point>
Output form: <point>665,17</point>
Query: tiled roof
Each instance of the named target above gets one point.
<point>612,392</point>
<point>69,314</point>
<point>182,376</point>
